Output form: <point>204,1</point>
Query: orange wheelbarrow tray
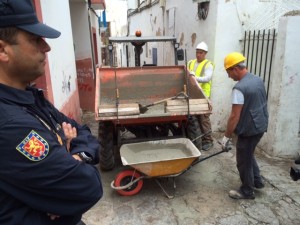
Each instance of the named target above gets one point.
<point>155,159</point>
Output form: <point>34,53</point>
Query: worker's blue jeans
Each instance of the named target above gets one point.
<point>246,162</point>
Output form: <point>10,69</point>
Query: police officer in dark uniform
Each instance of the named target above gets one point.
<point>46,171</point>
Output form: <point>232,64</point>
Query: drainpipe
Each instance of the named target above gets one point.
<point>91,38</point>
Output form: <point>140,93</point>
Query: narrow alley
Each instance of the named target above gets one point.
<point>201,195</point>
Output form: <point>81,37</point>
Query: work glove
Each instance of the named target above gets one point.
<point>192,73</point>
<point>225,142</point>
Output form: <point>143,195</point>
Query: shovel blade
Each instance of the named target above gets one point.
<point>143,109</point>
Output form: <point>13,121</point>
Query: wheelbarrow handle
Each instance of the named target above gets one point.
<point>198,161</point>
<point>227,149</point>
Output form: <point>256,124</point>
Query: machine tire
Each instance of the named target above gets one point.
<point>161,130</point>
<point>149,131</point>
<point>106,151</point>
<point>125,177</point>
<point>193,131</point>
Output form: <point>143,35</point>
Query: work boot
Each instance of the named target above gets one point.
<point>207,146</point>
<point>295,172</point>
<point>237,194</point>
<point>259,184</point>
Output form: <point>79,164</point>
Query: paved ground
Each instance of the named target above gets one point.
<point>201,196</point>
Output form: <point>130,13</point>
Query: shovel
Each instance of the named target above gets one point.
<point>144,108</point>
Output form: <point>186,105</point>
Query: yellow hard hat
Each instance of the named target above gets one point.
<point>232,59</point>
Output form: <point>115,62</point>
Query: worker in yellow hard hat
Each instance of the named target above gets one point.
<point>203,69</point>
<point>248,120</point>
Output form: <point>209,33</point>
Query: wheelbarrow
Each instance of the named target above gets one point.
<point>168,158</point>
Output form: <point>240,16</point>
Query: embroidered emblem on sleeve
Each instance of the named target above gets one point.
<point>34,147</point>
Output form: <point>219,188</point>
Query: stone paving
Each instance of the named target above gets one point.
<point>201,195</point>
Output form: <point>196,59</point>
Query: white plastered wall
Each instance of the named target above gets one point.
<point>116,15</point>
<point>61,57</point>
<point>282,137</point>
<point>80,30</point>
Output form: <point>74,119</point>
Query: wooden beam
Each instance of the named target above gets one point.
<point>195,105</point>
<point>123,109</point>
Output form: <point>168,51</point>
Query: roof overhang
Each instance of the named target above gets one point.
<point>98,4</point>
<point>95,4</point>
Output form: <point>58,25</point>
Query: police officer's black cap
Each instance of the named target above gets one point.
<point>21,14</point>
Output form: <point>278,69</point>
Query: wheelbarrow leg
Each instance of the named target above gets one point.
<point>163,189</point>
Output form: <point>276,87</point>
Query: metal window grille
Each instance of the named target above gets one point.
<point>259,51</point>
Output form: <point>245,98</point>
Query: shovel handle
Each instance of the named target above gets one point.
<point>158,102</point>
<point>161,101</point>
<point>166,99</point>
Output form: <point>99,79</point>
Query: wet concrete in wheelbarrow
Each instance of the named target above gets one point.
<point>201,195</point>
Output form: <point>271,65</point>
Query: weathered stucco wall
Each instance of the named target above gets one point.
<point>283,137</point>
<point>86,47</point>
<point>116,15</point>
<point>227,39</point>
<point>80,29</point>
<point>61,58</point>
<point>177,19</point>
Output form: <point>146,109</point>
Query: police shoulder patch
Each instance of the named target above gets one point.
<point>34,147</point>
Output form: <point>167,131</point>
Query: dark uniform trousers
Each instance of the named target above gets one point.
<point>246,162</point>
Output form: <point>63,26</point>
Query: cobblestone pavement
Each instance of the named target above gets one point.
<point>201,196</point>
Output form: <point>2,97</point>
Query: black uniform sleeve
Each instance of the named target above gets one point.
<point>38,172</point>
<point>84,142</point>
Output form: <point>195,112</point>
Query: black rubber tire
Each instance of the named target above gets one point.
<point>161,130</point>
<point>149,131</point>
<point>106,151</point>
<point>193,131</point>
<point>176,130</point>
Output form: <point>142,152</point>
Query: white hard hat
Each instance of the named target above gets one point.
<point>202,46</point>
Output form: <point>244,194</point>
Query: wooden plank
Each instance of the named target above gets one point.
<point>180,105</point>
<point>123,110</point>
<point>184,102</point>
<point>193,108</point>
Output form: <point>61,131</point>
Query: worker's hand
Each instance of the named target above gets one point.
<point>192,73</point>
<point>225,142</point>
<point>70,133</point>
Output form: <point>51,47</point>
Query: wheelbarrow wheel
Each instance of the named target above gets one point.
<point>125,177</point>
